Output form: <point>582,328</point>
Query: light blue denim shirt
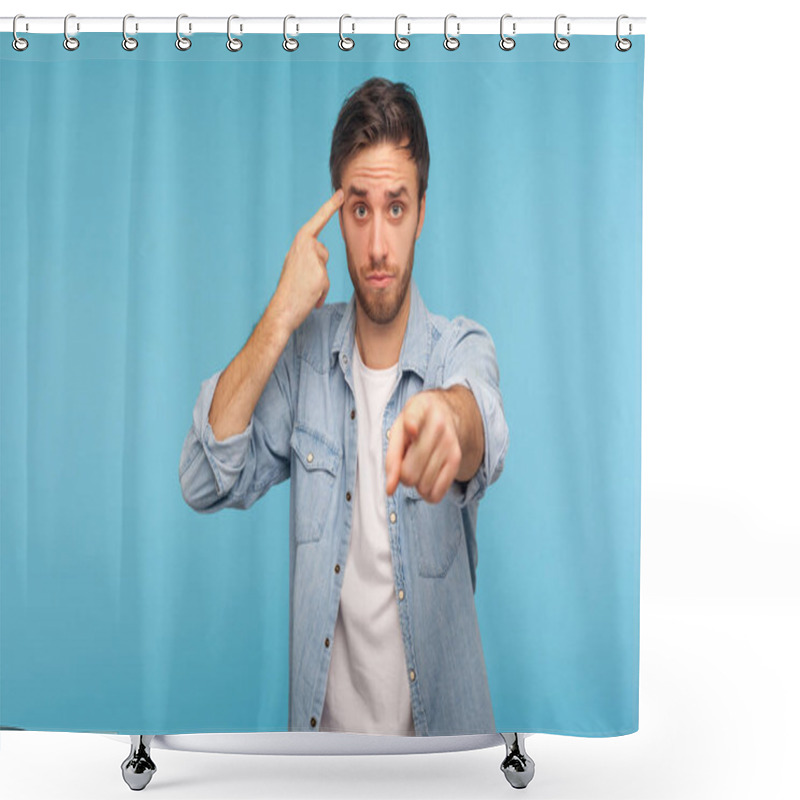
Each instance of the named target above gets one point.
<point>304,427</point>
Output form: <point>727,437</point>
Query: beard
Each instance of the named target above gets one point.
<point>382,305</point>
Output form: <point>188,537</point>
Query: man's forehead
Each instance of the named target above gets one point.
<point>380,171</point>
<point>359,190</point>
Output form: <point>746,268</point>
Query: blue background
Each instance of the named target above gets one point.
<point>148,201</point>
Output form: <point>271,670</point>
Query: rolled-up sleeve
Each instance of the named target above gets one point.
<point>471,361</point>
<point>235,472</point>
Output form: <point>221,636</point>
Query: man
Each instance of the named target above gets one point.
<point>389,421</point>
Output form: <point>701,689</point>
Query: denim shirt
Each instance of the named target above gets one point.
<point>304,427</point>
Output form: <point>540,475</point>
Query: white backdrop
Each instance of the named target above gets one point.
<point>720,439</point>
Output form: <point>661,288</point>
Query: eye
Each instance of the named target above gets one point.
<point>357,209</point>
<point>399,207</point>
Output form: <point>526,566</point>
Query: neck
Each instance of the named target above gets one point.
<point>379,344</point>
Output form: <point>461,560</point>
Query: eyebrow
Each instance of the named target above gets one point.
<point>391,195</point>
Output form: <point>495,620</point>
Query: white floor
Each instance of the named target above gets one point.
<point>718,718</point>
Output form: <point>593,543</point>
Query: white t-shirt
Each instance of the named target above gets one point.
<point>368,688</point>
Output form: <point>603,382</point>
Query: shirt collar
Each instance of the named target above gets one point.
<point>415,350</point>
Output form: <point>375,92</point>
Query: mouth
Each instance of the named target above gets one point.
<point>379,280</point>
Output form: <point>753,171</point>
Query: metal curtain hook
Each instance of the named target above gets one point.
<point>182,43</point>
<point>233,44</point>
<point>506,42</point>
<point>451,42</point>
<point>289,43</point>
<point>70,42</point>
<point>561,43</point>
<point>128,42</point>
<point>345,43</point>
<point>19,44</point>
<point>623,44</point>
<point>400,42</point>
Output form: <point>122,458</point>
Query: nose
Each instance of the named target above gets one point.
<point>378,244</point>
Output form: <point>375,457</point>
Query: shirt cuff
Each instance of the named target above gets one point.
<point>226,457</point>
<point>495,442</point>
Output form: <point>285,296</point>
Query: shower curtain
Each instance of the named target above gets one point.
<point>149,199</point>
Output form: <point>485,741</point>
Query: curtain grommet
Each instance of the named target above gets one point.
<point>400,42</point>
<point>70,42</point>
<point>290,44</point>
<point>345,42</point>
<point>233,44</point>
<point>129,43</point>
<point>181,42</point>
<point>507,42</point>
<point>561,44</point>
<point>451,42</point>
<point>18,43</point>
<point>623,45</point>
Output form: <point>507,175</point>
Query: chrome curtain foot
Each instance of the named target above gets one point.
<point>517,766</point>
<point>138,768</point>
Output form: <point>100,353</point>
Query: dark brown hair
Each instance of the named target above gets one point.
<point>380,111</point>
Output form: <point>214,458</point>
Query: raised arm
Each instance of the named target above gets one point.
<point>238,444</point>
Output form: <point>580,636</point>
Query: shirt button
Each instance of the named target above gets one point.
<point>353,414</point>
<point>348,496</point>
<point>393,517</point>
<point>337,569</point>
<point>412,674</point>
<point>327,643</point>
<point>401,594</point>
<point>313,722</point>
<point>344,359</point>
<point>310,457</point>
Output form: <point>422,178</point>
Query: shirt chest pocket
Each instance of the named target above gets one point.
<point>316,465</point>
<point>437,532</point>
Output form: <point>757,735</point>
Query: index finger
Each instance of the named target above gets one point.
<point>395,451</point>
<point>315,225</point>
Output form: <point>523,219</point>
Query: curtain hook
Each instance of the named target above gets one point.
<point>345,43</point>
<point>623,45</point>
<point>128,42</point>
<point>400,42</point>
<point>70,42</point>
<point>561,43</point>
<point>451,42</point>
<point>19,44</point>
<point>182,43</point>
<point>289,43</point>
<point>506,42</point>
<point>233,44</point>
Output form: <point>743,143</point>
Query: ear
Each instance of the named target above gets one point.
<point>421,216</point>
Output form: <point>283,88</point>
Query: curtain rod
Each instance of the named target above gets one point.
<point>513,26</point>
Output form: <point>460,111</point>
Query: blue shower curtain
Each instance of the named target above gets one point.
<point>149,199</point>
